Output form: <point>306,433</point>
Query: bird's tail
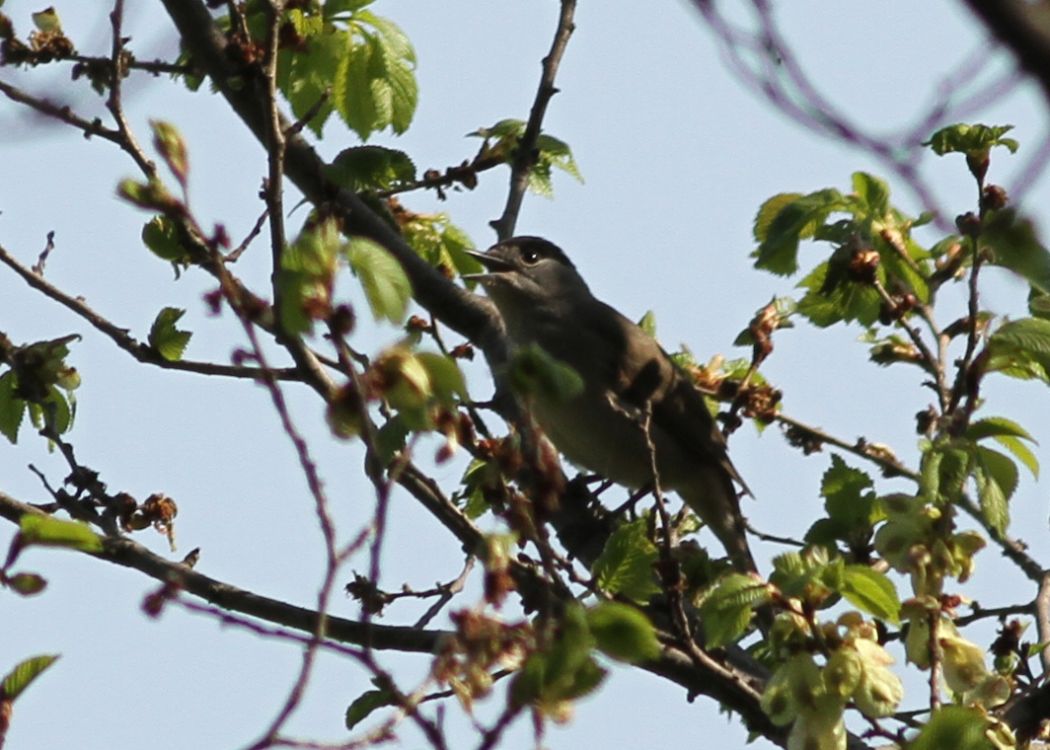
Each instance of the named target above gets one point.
<point>715,500</point>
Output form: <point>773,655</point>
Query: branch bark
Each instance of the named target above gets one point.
<point>244,89</point>
<point>131,554</point>
<point>1022,27</point>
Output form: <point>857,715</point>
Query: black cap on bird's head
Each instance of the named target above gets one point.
<point>521,252</point>
<point>527,268</point>
<point>528,271</point>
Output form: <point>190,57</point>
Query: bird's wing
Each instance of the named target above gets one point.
<point>648,373</point>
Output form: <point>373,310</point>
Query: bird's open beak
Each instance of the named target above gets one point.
<point>494,265</point>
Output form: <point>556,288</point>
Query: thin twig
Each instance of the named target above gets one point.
<point>445,592</point>
<point>129,553</point>
<point>62,113</point>
<point>524,157</point>
<point>142,352</point>
<point>114,102</point>
<point>1042,620</point>
<point>275,209</point>
<point>861,448</point>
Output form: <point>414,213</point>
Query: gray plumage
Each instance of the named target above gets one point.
<point>544,300</point>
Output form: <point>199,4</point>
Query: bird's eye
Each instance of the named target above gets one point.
<point>530,256</point>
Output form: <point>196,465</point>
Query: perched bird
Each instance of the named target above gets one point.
<point>543,300</point>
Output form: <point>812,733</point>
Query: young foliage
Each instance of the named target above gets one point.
<point>625,566</point>
<point>501,142</point>
<point>623,632</point>
<point>350,61</point>
<point>38,381</point>
<point>386,285</point>
<point>167,340</point>
<point>36,529</point>
<point>22,675</point>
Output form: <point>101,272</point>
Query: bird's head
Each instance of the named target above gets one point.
<point>528,271</point>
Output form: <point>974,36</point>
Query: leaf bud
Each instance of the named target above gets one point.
<point>968,224</point>
<point>994,198</point>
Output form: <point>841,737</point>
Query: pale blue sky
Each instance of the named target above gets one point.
<point>677,156</point>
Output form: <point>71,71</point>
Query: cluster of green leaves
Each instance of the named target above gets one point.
<point>339,57</point>
<point>836,291</point>
<point>565,669</point>
<point>37,379</point>
<point>879,276</point>
<point>501,141</point>
<point>307,276</point>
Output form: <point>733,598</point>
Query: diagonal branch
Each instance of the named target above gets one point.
<point>131,554</point>
<point>142,352</point>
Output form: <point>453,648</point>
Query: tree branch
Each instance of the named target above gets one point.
<point>1019,26</point>
<point>525,154</point>
<point>142,352</point>
<point>131,554</point>
<point>244,89</point>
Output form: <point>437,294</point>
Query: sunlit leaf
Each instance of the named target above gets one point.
<point>165,338</point>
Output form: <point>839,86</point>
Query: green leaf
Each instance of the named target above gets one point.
<point>552,153</point>
<point>623,632</point>
<point>1021,348</point>
<point>55,532</point>
<point>172,148</point>
<point>565,671</point>
<point>769,211</point>
<point>509,127</point>
<point>533,372</point>
<point>1015,245</point>
<point>375,84</point>
<point>943,471</point>
<point>1021,451</point>
<point>993,501</point>
<point>19,678</point>
<point>873,192</point>
<point>366,703</point>
<point>648,323</point>
<point>872,592</point>
<point>784,222</point>
<point>161,235</point>
<point>625,565</point>
<point>352,90</point>
<point>371,168</point>
<point>386,286</point>
<point>726,610</point>
<point>970,139</point>
<point>167,340</point>
<point>955,727</point>
<point>12,408</point>
<point>305,75</point>
<point>446,379</point>
<point>307,275</point>
<point>844,301</point>
<point>996,426</point>
<point>441,243</point>
<point>47,21</point>
<point>151,195</point>
<point>845,496</point>
<point>390,438</point>
<point>1000,467</point>
<point>54,410</point>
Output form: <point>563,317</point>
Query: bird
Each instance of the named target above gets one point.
<point>628,380</point>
